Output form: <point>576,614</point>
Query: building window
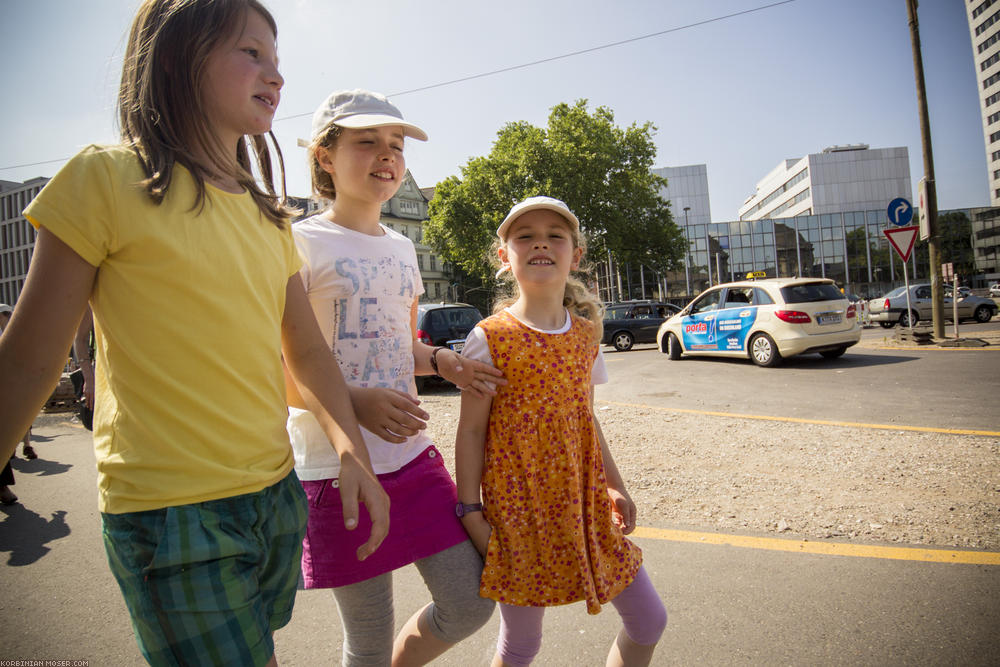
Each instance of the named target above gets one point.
<point>433,263</point>
<point>988,42</point>
<point>994,97</point>
<point>992,118</point>
<point>995,155</point>
<point>992,60</point>
<point>984,26</point>
<point>420,262</point>
<point>982,8</point>
<point>989,81</point>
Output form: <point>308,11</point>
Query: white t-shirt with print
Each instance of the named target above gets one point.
<point>361,289</point>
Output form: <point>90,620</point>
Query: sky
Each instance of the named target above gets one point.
<point>738,94</point>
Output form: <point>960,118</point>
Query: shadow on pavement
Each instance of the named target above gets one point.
<point>40,466</point>
<point>24,534</point>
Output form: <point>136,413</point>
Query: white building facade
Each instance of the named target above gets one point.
<point>17,236</point>
<point>984,27</point>
<point>840,179</point>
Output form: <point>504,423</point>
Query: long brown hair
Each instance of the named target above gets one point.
<point>161,111</point>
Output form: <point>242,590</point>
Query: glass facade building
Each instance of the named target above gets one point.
<point>848,248</point>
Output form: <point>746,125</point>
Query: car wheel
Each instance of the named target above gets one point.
<point>833,354</point>
<point>887,325</point>
<point>673,347</point>
<point>763,351</point>
<point>622,341</point>
<point>908,319</point>
<point>984,314</point>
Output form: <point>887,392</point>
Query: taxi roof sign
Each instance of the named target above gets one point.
<point>755,275</point>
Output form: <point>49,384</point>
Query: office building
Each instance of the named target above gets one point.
<point>840,179</point>
<point>984,27</point>
<point>17,236</point>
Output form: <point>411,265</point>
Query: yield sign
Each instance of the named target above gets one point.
<point>901,239</point>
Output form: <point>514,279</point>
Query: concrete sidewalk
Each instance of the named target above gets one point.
<point>727,605</point>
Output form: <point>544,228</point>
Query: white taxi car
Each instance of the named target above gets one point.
<point>764,319</point>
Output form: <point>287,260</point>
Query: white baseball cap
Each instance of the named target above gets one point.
<point>533,204</point>
<point>4,308</point>
<point>360,109</point>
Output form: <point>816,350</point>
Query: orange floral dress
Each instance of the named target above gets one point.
<point>545,491</point>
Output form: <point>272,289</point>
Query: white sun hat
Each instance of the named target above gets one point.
<point>533,204</point>
<point>359,109</point>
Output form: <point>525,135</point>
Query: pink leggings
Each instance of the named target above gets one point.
<point>639,605</point>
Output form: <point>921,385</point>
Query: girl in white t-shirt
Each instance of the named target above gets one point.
<point>363,283</point>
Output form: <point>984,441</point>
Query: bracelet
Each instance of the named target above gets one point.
<point>434,361</point>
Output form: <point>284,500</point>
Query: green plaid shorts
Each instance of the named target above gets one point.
<point>208,583</point>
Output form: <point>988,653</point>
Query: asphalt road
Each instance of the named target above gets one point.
<point>939,388</point>
<point>728,605</point>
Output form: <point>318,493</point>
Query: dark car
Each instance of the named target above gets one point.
<point>631,322</point>
<point>445,325</point>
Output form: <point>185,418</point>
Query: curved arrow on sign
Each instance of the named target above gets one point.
<point>902,208</point>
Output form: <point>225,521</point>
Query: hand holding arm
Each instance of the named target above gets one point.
<point>388,413</point>
<point>318,379</point>
<point>467,374</point>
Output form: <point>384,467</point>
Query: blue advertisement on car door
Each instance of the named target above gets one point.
<point>721,330</point>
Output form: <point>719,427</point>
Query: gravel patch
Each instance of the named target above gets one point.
<point>800,480</point>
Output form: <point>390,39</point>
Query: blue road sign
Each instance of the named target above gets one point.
<point>900,212</point>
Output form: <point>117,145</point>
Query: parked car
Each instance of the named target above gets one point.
<point>445,324</point>
<point>890,310</point>
<point>631,322</point>
<point>963,291</point>
<point>765,320</point>
<point>995,289</point>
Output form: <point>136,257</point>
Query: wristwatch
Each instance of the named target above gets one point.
<point>462,509</point>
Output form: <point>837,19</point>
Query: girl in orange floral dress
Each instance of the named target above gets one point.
<point>553,514</point>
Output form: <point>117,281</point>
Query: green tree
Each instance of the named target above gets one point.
<point>602,171</point>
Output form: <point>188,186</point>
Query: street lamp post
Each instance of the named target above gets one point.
<point>687,252</point>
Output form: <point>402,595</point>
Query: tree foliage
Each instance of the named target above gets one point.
<point>602,172</point>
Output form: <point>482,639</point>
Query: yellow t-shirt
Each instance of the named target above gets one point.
<point>190,400</point>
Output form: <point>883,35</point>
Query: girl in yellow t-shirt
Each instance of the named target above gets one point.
<point>188,263</point>
<point>553,514</point>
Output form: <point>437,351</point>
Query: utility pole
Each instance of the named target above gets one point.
<point>930,206</point>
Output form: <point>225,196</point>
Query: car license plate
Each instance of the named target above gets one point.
<point>828,318</point>
<point>457,347</point>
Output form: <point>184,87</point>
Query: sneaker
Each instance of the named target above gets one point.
<point>29,452</point>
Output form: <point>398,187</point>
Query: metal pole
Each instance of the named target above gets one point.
<point>909,311</point>
<point>933,242</point>
<point>687,252</point>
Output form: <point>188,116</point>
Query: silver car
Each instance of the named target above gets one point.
<point>890,309</point>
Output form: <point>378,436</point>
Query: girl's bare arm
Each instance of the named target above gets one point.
<point>321,384</point>
<point>34,347</point>
<point>470,456</point>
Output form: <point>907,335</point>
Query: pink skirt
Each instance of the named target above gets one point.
<point>422,522</point>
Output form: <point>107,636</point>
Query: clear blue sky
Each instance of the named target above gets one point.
<point>739,95</point>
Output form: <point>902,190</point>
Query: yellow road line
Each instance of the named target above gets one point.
<point>924,348</point>
<point>823,548</point>
<point>798,420</point>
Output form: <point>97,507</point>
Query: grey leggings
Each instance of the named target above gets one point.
<point>452,577</point>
